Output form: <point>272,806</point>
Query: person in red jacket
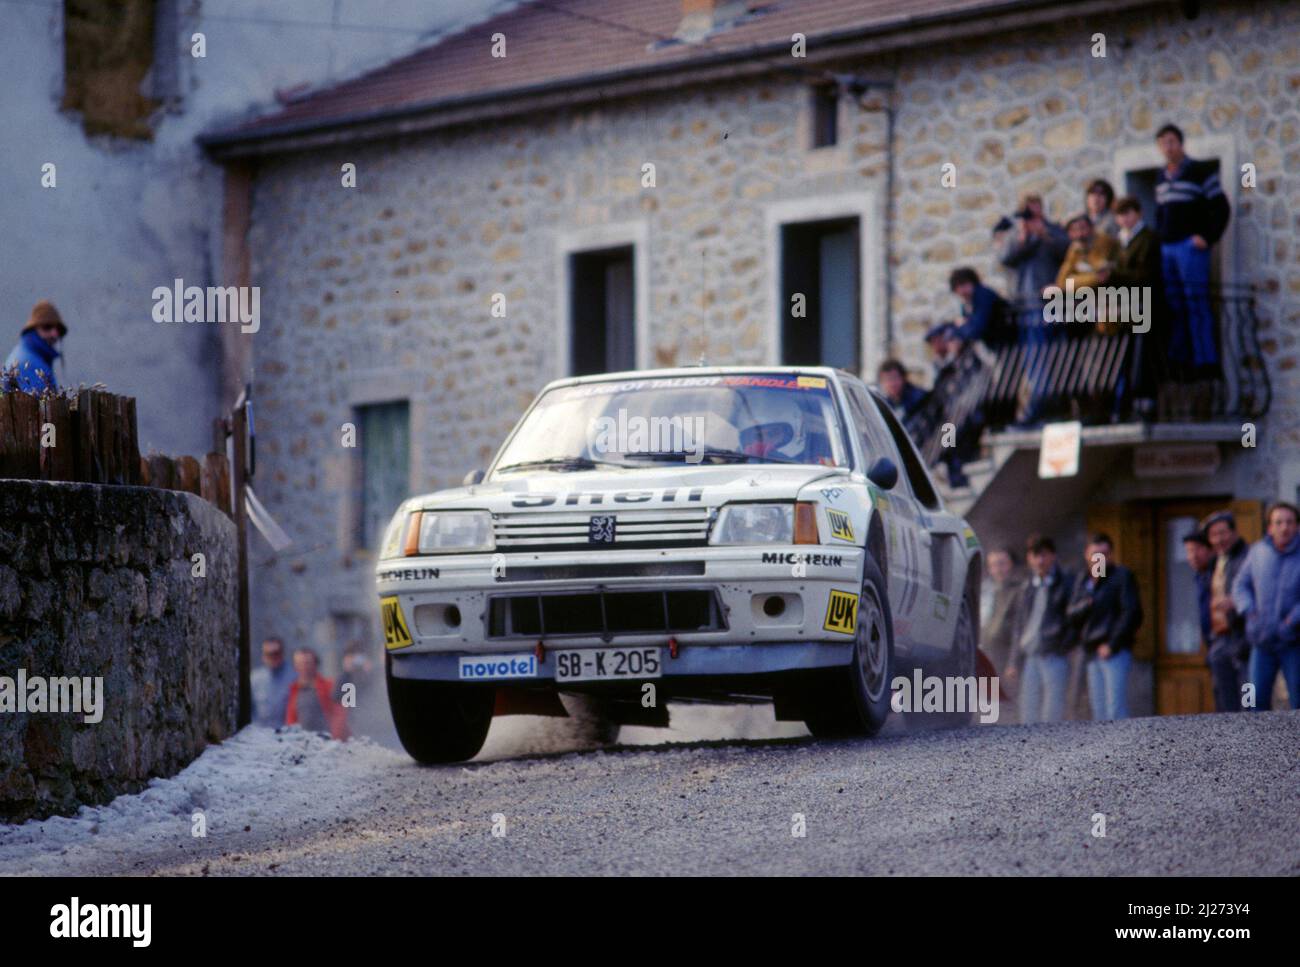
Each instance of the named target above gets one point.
<point>311,698</point>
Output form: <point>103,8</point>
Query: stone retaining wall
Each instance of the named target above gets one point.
<point>100,582</point>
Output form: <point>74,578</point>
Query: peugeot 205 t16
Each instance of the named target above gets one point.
<point>690,535</point>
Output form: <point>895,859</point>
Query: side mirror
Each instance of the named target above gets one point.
<point>883,473</point>
<point>472,478</point>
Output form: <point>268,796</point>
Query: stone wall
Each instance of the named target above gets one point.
<point>98,581</point>
<point>384,291</point>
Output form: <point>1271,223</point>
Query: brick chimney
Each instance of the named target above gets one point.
<point>702,17</point>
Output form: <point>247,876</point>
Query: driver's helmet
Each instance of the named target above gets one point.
<point>772,424</point>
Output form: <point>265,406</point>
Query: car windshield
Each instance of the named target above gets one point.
<point>731,418</point>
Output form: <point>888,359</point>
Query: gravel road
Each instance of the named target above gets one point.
<point>1210,794</point>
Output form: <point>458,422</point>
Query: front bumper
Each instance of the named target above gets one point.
<point>692,661</point>
<point>447,601</point>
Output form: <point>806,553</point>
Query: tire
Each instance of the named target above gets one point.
<point>590,724</point>
<point>439,721</point>
<point>855,700</point>
<point>965,641</point>
<point>961,659</point>
<point>960,663</point>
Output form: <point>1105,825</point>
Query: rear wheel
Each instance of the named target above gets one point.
<point>855,700</point>
<point>960,663</point>
<point>439,721</point>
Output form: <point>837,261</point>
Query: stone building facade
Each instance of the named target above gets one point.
<point>107,196</point>
<point>385,291</point>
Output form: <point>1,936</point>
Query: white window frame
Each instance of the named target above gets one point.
<point>575,241</point>
<point>867,206</point>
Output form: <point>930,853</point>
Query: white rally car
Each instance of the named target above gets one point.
<point>708,534</point>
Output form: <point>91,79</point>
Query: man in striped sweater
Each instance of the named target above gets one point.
<point>1191,215</point>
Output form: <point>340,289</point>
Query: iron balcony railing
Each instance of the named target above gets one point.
<point>1096,373</point>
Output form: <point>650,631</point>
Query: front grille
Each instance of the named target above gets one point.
<point>666,527</point>
<point>604,613</point>
<point>596,572</point>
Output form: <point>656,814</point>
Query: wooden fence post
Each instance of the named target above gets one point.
<point>239,433</point>
<point>187,475</point>
<point>88,467</point>
<point>58,462</point>
<point>25,424</point>
<point>214,482</point>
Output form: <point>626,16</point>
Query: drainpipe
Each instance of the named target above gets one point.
<point>858,88</point>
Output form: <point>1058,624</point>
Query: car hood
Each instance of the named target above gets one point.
<point>708,486</point>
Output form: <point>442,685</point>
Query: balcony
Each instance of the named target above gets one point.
<point>1123,387</point>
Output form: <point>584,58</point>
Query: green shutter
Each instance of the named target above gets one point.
<point>385,442</point>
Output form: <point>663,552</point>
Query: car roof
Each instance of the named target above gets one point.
<point>828,372</point>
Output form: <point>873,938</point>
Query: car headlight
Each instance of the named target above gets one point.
<point>392,543</point>
<point>766,524</point>
<point>754,524</point>
<point>454,531</point>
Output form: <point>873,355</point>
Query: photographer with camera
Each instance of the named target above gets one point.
<point>1034,248</point>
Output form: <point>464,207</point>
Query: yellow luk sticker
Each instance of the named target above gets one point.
<point>396,634</point>
<point>841,613</point>
<point>841,525</point>
<point>811,382</point>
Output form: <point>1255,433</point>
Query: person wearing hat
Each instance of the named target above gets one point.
<point>941,340</point>
<point>30,367</point>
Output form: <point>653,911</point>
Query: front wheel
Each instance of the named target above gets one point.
<point>439,721</point>
<point>856,699</point>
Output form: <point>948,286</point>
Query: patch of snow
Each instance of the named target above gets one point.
<point>268,780</point>
<point>259,778</point>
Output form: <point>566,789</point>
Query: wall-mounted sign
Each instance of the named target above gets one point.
<point>1176,460</point>
<point>1059,452</point>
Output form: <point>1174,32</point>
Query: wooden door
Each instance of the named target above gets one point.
<point>1183,684</point>
<point>1148,539</point>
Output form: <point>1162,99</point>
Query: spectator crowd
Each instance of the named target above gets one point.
<point>1042,627</point>
<point>1173,367</point>
<point>294,692</point>
<point>1052,634</point>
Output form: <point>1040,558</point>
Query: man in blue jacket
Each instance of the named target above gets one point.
<point>29,368</point>
<point>1192,214</point>
<point>903,396</point>
<point>985,315</point>
<point>1267,595</point>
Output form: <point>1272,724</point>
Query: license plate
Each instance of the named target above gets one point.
<point>593,664</point>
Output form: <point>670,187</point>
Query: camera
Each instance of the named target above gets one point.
<point>1005,222</point>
